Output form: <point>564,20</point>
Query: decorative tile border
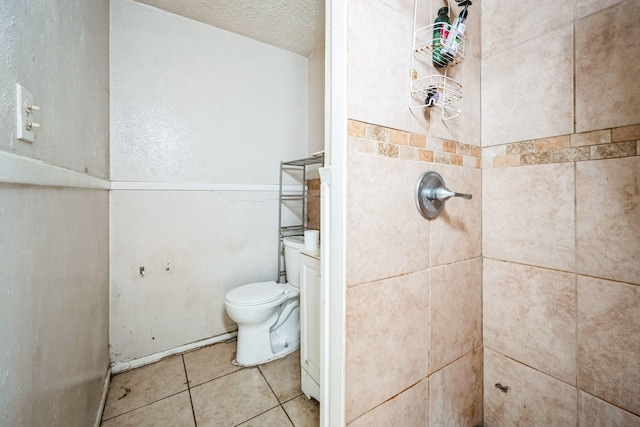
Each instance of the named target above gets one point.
<point>387,142</point>
<point>595,145</point>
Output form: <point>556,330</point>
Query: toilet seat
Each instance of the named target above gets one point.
<point>256,293</point>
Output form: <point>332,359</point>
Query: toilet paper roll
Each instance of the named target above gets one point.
<point>312,240</point>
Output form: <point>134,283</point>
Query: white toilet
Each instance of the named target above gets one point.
<point>268,313</point>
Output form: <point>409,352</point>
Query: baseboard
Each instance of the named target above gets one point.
<point>103,400</point>
<point>118,367</point>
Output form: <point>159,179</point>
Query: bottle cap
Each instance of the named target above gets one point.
<point>443,10</point>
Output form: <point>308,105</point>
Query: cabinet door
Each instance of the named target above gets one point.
<point>310,316</point>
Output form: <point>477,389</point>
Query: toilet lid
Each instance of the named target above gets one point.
<point>255,293</point>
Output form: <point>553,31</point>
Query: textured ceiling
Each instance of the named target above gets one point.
<point>293,25</point>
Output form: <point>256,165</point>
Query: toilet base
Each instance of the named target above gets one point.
<point>257,344</point>
<point>285,351</point>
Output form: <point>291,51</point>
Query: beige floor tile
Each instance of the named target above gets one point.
<point>303,412</point>
<point>283,375</point>
<point>139,387</point>
<point>209,363</point>
<point>232,399</point>
<point>272,418</point>
<point>172,411</point>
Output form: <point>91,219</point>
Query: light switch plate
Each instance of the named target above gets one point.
<point>23,99</point>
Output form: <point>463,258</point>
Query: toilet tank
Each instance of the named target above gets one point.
<point>292,246</point>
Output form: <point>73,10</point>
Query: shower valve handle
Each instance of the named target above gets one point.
<point>443,194</point>
<point>430,194</point>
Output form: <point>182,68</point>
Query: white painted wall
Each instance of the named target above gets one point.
<point>54,238</point>
<point>194,105</point>
<point>316,101</point>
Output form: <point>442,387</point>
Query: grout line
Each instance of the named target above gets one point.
<point>186,375</point>
<point>142,406</point>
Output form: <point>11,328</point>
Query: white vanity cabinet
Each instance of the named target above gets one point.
<point>310,324</point>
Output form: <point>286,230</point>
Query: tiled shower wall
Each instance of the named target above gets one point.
<point>413,298</point>
<point>561,213</point>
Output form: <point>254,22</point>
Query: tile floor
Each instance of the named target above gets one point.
<point>202,388</point>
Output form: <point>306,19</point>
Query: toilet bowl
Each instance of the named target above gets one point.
<point>268,313</point>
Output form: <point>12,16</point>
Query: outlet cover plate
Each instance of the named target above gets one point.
<point>23,98</point>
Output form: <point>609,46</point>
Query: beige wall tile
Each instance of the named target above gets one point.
<point>625,133</point>
<point>456,159</point>
<point>529,316</point>
<point>521,147</point>
<point>385,354</point>
<point>449,146</point>
<point>573,154</point>
<point>386,234</point>
<point>426,155</point>
<point>456,233</point>
<point>593,412</point>
<point>356,129</point>
<point>527,215</point>
<point>441,157</point>
<point>417,140</point>
<point>506,161</point>
<point>608,341</point>
<point>407,153</point>
<point>607,93</point>
<point>591,138</point>
<point>455,393</point>
<point>398,137</point>
<point>409,408</point>
<point>533,398</point>
<point>455,312</point>
<point>364,146</point>
<point>466,127</point>
<point>387,150</point>
<point>494,151</point>
<point>435,144</point>
<point>504,27</point>
<point>379,61</point>
<point>527,91</point>
<point>555,143</point>
<point>616,149</point>
<point>607,215</point>
<point>377,133</point>
<point>587,7</point>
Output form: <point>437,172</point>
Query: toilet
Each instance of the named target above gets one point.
<point>268,313</point>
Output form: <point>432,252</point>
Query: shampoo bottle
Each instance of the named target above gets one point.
<point>440,32</point>
<point>452,43</point>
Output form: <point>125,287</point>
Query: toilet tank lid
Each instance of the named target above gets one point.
<point>294,242</point>
<point>255,293</point>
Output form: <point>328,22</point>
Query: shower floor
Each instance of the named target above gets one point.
<point>203,388</point>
